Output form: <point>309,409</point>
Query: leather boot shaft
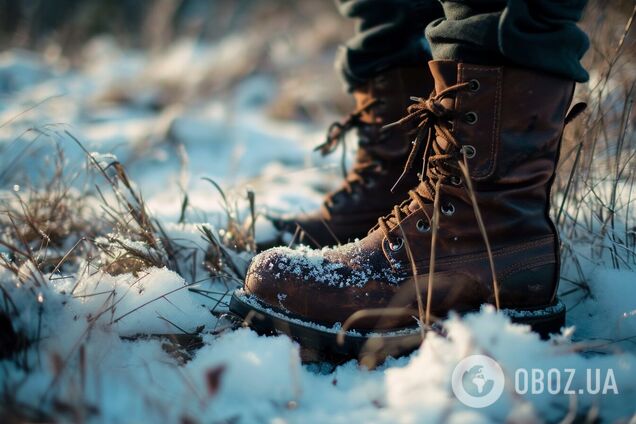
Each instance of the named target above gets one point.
<point>508,123</point>
<point>391,91</point>
<point>352,210</point>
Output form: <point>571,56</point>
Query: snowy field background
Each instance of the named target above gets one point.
<point>245,110</point>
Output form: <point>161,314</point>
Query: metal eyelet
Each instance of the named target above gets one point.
<point>470,118</point>
<point>448,209</point>
<point>455,180</point>
<point>473,85</point>
<point>396,246</point>
<point>423,226</point>
<point>469,151</point>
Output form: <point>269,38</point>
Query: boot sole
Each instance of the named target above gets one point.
<point>371,347</point>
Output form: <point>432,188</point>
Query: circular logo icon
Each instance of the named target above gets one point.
<point>478,381</point>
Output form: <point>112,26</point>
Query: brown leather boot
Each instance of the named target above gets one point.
<point>349,212</point>
<point>505,124</point>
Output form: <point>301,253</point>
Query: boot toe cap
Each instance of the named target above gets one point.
<point>277,274</point>
<point>291,279</point>
<point>263,275</point>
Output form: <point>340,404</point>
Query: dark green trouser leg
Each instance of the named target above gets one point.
<point>389,33</point>
<point>537,34</point>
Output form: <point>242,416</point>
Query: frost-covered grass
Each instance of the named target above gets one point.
<point>118,248</point>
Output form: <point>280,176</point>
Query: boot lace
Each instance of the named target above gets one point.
<point>440,162</point>
<point>336,136</point>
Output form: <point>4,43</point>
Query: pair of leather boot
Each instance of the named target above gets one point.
<point>477,158</point>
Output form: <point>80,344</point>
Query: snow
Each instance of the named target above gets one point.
<point>513,347</point>
<point>610,312</point>
<point>325,266</point>
<point>260,379</point>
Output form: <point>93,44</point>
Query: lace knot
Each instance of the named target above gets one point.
<point>337,131</point>
<point>431,119</point>
<point>334,134</point>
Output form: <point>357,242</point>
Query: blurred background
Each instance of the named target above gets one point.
<point>236,90</point>
<point>292,42</point>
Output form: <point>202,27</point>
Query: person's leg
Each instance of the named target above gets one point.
<point>535,34</point>
<point>389,33</point>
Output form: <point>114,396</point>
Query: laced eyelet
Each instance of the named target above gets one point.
<point>423,226</point>
<point>448,209</point>
<point>397,245</point>
<point>470,118</point>
<point>473,85</point>
<point>455,180</point>
<point>469,151</point>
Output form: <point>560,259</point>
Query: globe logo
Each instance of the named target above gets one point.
<point>478,381</point>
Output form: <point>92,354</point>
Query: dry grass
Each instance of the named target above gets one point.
<point>593,193</point>
<point>58,231</point>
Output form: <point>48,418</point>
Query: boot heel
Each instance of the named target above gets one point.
<point>544,321</point>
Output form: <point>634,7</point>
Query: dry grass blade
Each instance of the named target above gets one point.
<point>29,109</point>
<point>431,266</point>
<point>370,313</point>
<point>218,188</point>
<point>236,235</point>
<point>482,228</point>
<point>219,256</point>
<point>566,193</point>
<point>416,283</point>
